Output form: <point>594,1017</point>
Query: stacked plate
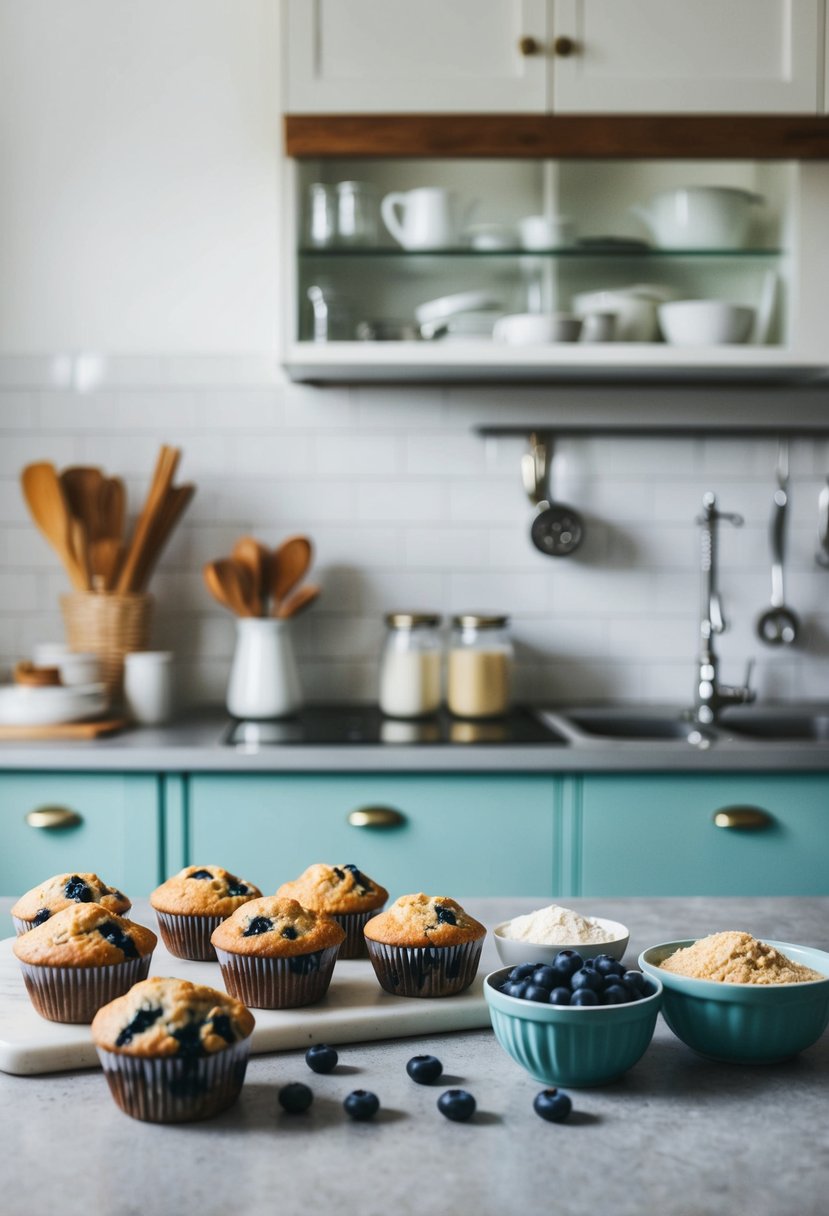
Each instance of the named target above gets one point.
<point>49,705</point>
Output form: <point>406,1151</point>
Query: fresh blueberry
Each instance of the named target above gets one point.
<point>567,963</point>
<point>259,924</point>
<point>552,1105</point>
<point>361,1104</point>
<point>545,977</point>
<point>584,996</point>
<point>534,992</point>
<point>637,981</point>
<point>321,1058</point>
<point>522,972</point>
<point>118,938</point>
<point>424,1069</point>
<point>587,977</point>
<point>616,994</point>
<point>607,965</point>
<point>445,915</point>
<point>517,989</point>
<point>560,996</point>
<point>295,1097</point>
<point>457,1105</point>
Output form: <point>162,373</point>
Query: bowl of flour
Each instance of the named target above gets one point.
<point>538,936</point>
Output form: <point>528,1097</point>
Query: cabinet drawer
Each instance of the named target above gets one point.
<point>113,831</point>
<point>655,835</point>
<point>459,835</point>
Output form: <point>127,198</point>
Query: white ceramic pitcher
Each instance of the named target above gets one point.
<point>264,681</point>
<point>429,217</point>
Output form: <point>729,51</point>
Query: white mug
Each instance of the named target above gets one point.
<point>528,328</point>
<point>429,217</point>
<point>148,686</point>
<point>545,231</point>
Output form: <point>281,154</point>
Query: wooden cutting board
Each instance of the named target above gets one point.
<point>65,730</point>
<point>356,1009</point>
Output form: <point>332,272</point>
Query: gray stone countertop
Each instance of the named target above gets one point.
<point>678,1136</point>
<point>196,743</point>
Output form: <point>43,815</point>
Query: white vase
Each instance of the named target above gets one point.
<point>264,681</point>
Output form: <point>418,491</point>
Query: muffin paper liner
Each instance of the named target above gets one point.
<point>277,983</point>
<point>75,994</point>
<point>176,1089</point>
<point>22,926</point>
<point>354,945</point>
<point>425,970</point>
<point>188,936</point>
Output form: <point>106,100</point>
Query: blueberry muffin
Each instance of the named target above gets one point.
<point>275,954</point>
<point>190,905</point>
<point>424,945</point>
<point>81,958</point>
<point>173,1051</point>
<point>61,892</point>
<point>344,893</point>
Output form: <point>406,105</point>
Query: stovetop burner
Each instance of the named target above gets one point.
<point>365,724</point>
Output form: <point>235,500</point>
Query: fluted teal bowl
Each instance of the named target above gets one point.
<point>575,1046</point>
<point>743,1023</point>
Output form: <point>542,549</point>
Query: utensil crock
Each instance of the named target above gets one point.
<point>264,681</point>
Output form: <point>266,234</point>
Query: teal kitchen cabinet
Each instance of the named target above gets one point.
<point>449,834</point>
<point>684,834</point>
<point>54,823</point>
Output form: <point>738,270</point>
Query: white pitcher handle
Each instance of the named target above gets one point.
<point>388,210</point>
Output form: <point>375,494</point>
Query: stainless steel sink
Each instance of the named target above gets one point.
<point>781,725</point>
<point>804,723</point>
<point>630,724</point>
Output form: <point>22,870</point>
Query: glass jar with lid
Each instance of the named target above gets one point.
<point>479,667</point>
<point>410,665</point>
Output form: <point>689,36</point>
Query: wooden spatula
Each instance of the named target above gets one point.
<point>298,601</point>
<point>290,562</point>
<point>249,553</point>
<point>44,496</point>
<point>165,468</point>
<point>230,584</point>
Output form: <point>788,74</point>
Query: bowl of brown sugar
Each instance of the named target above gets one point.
<point>733,997</point>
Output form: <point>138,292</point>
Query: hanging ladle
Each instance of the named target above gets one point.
<point>556,529</point>
<point>779,625</point>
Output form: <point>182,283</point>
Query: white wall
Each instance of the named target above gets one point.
<point>139,205</point>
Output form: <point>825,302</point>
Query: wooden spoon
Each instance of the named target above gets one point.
<point>249,553</point>
<point>289,564</point>
<point>172,508</point>
<point>230,584</point>
<point>163,474</point>
<point>82,487</point>
<point>44,495</point>
<point>105,557</point>
<point>299,601</point>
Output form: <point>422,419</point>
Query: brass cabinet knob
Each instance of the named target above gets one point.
<point>376,817</point>
<point>529,46</point>
<point>564,46</point>
<point>743,818</point>
<point>53,818</point>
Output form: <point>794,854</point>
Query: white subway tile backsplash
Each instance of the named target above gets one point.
<point>409,508</point>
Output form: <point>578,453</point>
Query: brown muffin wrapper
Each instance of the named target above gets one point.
<point>175,1089</point>
<point>277,983</point>
<point>188,936</point>
<point>428,971</point>
<point>75,994</point>
<point>354,945</point>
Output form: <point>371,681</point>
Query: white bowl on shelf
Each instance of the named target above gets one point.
<point>705,322</point>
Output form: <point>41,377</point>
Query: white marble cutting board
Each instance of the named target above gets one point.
<point>355,1009</point>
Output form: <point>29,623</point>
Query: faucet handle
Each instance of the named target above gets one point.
<point>715,616</point>
<point>750,692</point>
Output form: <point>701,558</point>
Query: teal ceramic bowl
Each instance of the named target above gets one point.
<point>573,1046</point>
<point>744,1023</point>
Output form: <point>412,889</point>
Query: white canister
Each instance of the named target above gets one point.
<point>410,667</point>
<point>264,681</point>
<point>148,686</point>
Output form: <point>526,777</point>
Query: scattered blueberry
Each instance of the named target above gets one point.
<point>552,1105</point>
<point>321,1058</point>
<point>361,1104</point>
<point>457,1105</point>
<point>295,1097</point>
<point>424,1069</point>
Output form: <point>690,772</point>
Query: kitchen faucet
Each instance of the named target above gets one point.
<point>711,696</point>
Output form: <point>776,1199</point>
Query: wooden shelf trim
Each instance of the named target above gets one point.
<point>572,136</point>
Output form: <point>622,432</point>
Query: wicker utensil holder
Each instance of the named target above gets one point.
<point>110,626</point>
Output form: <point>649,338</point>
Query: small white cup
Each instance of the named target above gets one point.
<point>148,686</point>
<point>529,328</point>
<point>545,231</point>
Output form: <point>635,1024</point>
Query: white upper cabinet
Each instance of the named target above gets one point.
<point>410,56</point>
<point>671,56</point>
<point>560,56</point>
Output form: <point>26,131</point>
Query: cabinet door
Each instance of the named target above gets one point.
<point>458,835</point>
<point>655,835</point>
<point>669,56</point>
<point>109,827</point>
<point>369,57</point>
